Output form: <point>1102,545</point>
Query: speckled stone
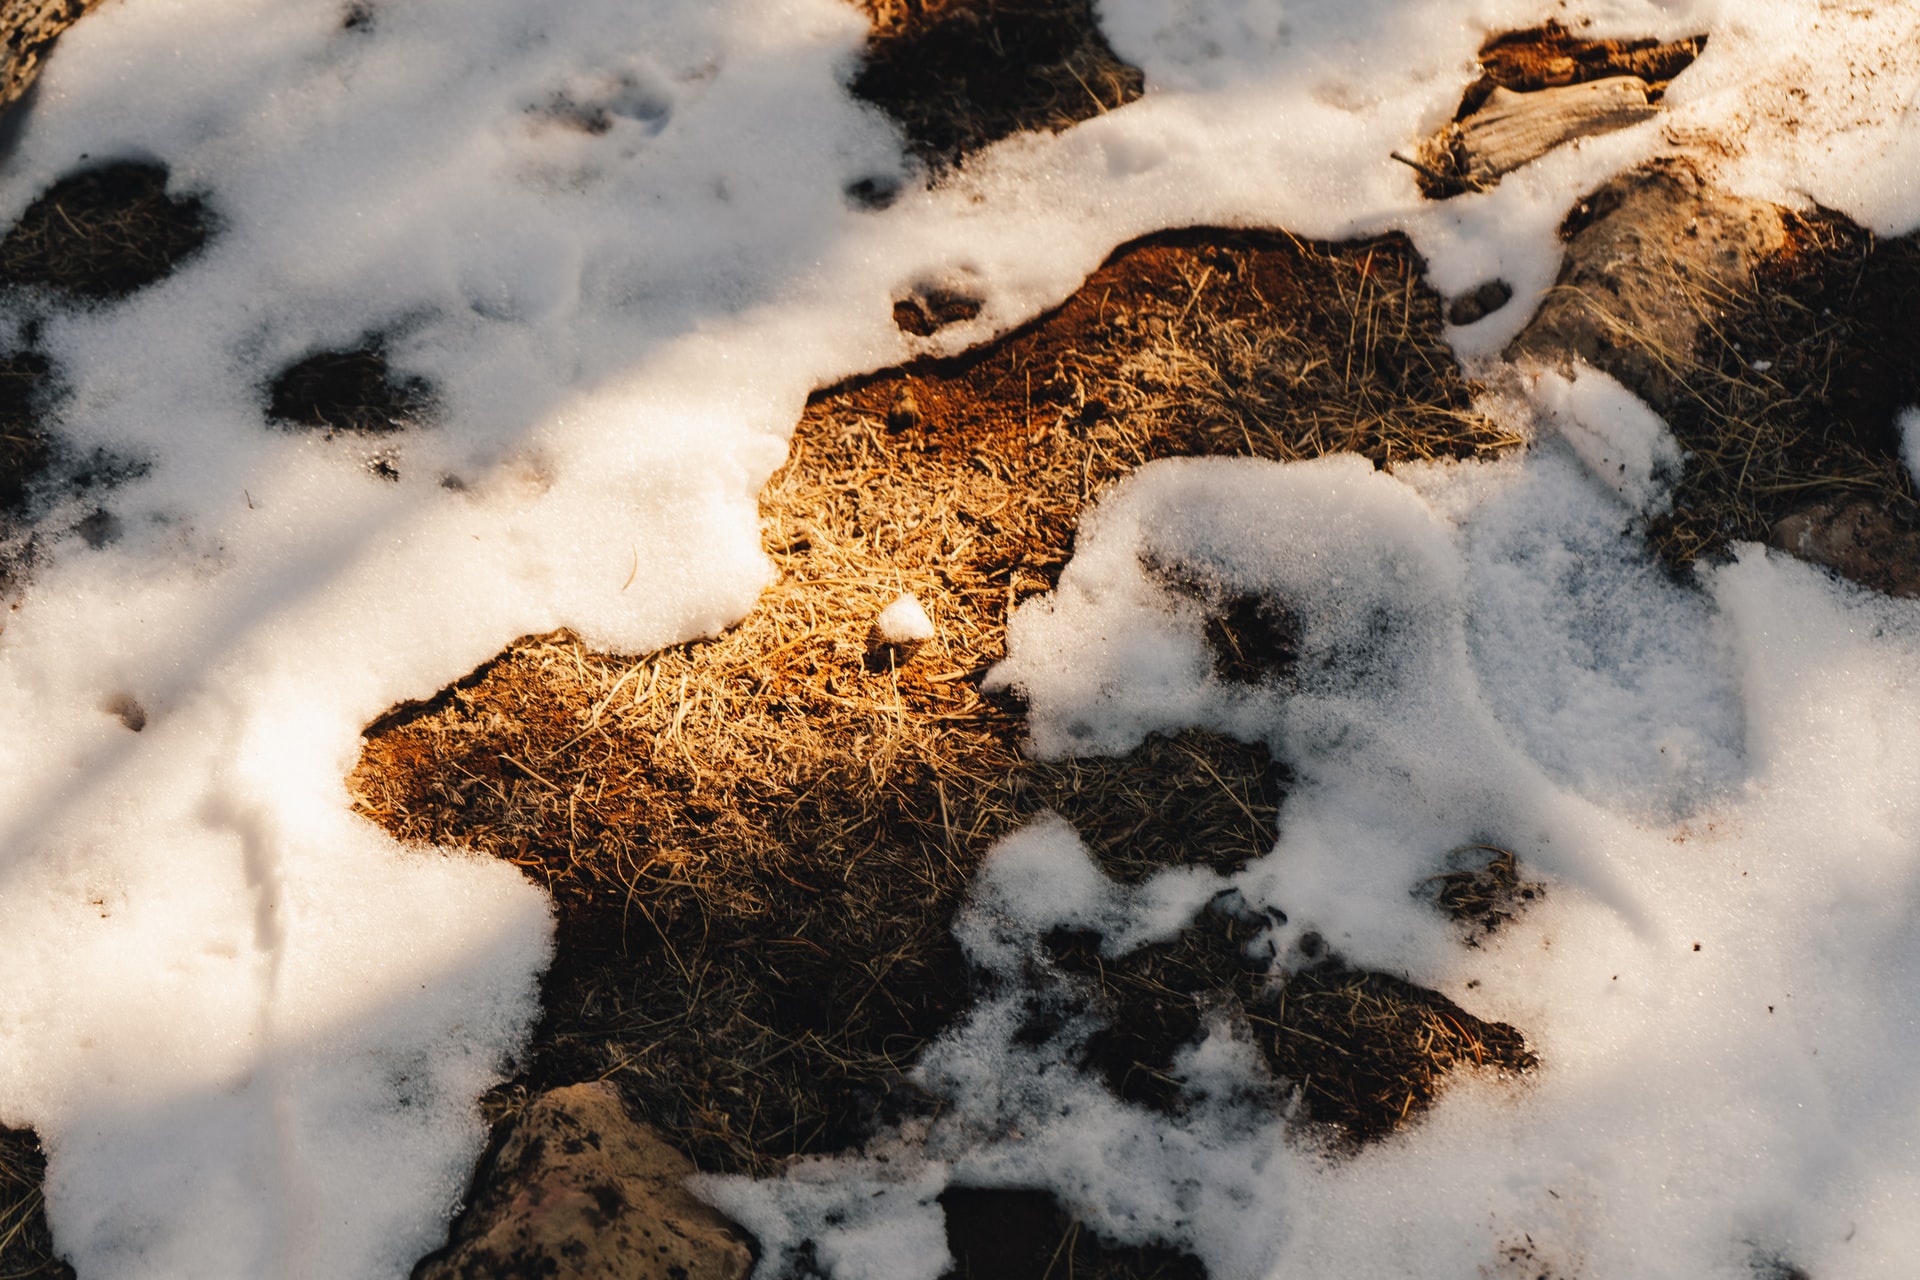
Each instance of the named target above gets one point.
<point>579,1189</point>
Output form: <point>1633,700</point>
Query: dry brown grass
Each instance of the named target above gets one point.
<point>26,1245</point>
<point>960,74</point>
<point>1790,392</point>
<point>757,841</point>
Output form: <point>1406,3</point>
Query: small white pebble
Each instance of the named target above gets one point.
<point>1761,366</point>
<point>904,622</point>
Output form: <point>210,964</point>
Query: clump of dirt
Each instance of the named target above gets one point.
<point>925,312</point>
<point>26,1243</point>
<point>958,75</point>
<point>104,232</point>
<point>756,842</point>
<point>1482,890</point>
<point>998,1233</point>
<point>352,390</point>
<point>1360,1052</point>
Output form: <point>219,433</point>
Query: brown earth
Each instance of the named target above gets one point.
<point>756,842</point>
<point>958,75</point>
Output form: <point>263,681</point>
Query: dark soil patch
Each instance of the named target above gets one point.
<point>925,312</point>
<point>104,232</point>
<point>353,390</point>
<point>1791,394</point>
<point>958,75</point>
<point>997,1233</point>
<point>1361,1052</point>
<point>26,1244</point>
<point>756,843</point>
<point>1482,889</point>
<point>24,447</point>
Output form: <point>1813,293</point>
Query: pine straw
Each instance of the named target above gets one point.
<point>756,842</point>
<point>26,1245</point>
<point>1829,322</point>
<point>103,232</point>
<point>958,75</point>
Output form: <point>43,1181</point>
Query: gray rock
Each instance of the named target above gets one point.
<point>579,1189</point>
<point>1651,257</point>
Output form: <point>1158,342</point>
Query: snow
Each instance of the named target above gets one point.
<point>904,622</point>
<point>251,1029</point>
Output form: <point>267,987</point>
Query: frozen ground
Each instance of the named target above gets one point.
<point>250,1029</point>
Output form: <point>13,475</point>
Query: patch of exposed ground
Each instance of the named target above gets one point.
<point>97,234</point>
<point>1355,1053</point>
<point>997,1233</point>
<point>24,447</point>
<point>104,232</point>
<point>354,390</point>
<point>1778,346</point>
<point>756,842</point>
<point>958,75</point>
<point>26,1245</point>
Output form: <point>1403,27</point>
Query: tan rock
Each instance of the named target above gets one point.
<point>1859,540</point>
<point>579,1189</point>
<point>1651,256</point>
<point>28,29</point>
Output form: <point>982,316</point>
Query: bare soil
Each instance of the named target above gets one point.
<point>104,232</point>
<point>958,75</point>
<point>997,1233</point>
<point>26,1245</point>
<point>757,842</point>
<point>354,390</point>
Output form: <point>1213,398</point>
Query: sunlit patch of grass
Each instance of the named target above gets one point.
<point>757,841</point>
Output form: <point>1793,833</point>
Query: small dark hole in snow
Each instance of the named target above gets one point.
<point>1479,303</point>
<point>872,194</point>
<point>127,709</point>
<point>926,311</point>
